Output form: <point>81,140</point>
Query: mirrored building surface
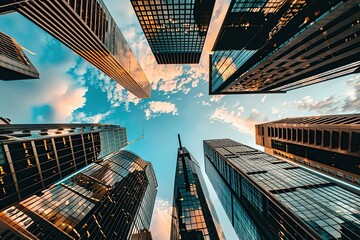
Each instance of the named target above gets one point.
<point>87,27</point>
<point>14,64</point>
<point>35,156</point>
<point>193,217</point>
<point>268,198</point>
<point>112,198</point>
<point>277,45</point>
<point>176,29</point>
<point>330,144</point>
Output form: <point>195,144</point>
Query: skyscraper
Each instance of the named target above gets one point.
<point>14,64</point>
<point>176,30</point>
<point>35,156</point>
<point>278,45</point>
<point>330,144</point>
<point>112,198</point>
<point>269,198</point>
<point>86,27</point>
<point>193,216</point>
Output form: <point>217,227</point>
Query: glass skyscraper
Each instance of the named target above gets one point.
<point>193,217</point>
<point>175,29</point>
<point>269,198</point>
<point>330,144</point>
<point>87,27</point>
<point>277,45</point>
<point>112,198</point>
<point>35,156</point>
<point>14,64</point>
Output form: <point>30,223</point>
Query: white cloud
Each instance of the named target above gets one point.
<point>240,123</point>
<point>274,110</point>
<point>263,98</point>
<point>82,117</point>
<point>216,98</point>
<point>323,106</point>
<point>161,220</point>
<point>157,107</point>
<point>199,95</point>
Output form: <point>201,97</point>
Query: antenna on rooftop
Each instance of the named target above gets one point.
<point>27,50</point>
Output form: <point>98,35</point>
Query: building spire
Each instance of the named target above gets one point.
<point>179,141</point>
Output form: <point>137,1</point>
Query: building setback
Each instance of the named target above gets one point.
<point>269,198</point>
<point>86,27</point>
<point>35,156</point>
<point>176,30</point>
<point>112,198</point>
<point>278,45</point>
<point>193,216</point>
<point>14,64</point>
<point>330,144</point>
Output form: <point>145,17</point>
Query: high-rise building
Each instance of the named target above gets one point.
<point>35,156</point>
<point>277,45</point>
<point>330,144</point>
<point>86,27</point>
<point>193,217</point>
<point>176,30</point>
<point>14,64</point>
<point>269,198</point>
<point>112,198</point>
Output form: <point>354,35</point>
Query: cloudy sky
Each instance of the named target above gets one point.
<point>71,90</point>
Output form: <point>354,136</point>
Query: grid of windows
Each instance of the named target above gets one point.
<point>87,27</point>
<point>102,201</point>
<point>193,209</point>
<point>282,194</point>
<point>276,32</point>
<point>36,156</point>
<point>330,144</point>
<point>176,29</point>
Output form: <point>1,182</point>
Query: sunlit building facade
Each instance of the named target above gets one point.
<point>87,27</point>
<point>268,198</point>
<point>112,198</point>
<point>193,216</point>
<point>176,30</point>
<point>330,144</point>
<point>14,64</point>
<point>35,156</point>
<point>277,45</point>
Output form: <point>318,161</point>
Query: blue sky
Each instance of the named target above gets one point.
<point>71,90</point>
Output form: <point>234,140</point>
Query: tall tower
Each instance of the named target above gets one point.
<point>112,198</point>
<point>87,27</point>
<point>269,198</point>
<point>329,144</point>
<point>35,156</point>
<point>193,216</point>
<point>14,64</point>
<point>277,45</point>
<point>176,30</point>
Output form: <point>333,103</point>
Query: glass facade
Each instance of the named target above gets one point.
<point>33,157</point>
<point>108,199</point>
<point>194,216</point>
<point>329,144</point>
<point>175,29</point>
<point>269,198</point>
<point>276,46</point>
<point>87,27</point>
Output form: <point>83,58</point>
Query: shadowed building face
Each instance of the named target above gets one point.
<point>87,27</point>
<point>277,45</point>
